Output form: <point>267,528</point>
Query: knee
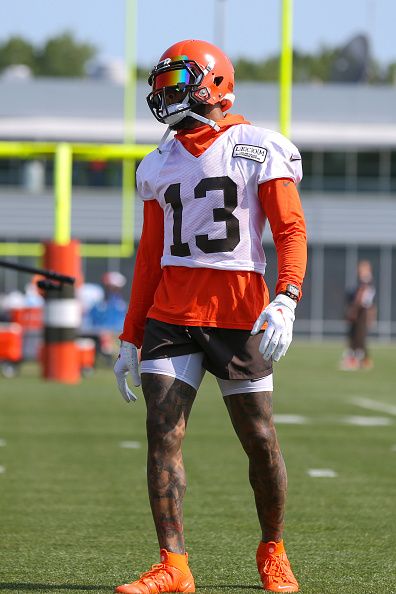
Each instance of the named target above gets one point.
<point>164,439</point>
<point>260,443</point>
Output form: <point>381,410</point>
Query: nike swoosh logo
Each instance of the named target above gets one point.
<point>286,183</point>
<point>295,158</point>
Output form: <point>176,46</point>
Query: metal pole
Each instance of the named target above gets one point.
<point>220,23</point>
<point>52,275</point>
<point>128,165</point>
<point>286,67</point>
<point>130,62</point>
<point>63,185</point>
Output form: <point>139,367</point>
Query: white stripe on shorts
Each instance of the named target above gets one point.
<point>188,368</point>
<point>229,387</point>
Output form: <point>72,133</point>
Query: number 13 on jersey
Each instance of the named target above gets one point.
<point>224,214</point>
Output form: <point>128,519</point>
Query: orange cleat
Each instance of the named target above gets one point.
<point>274,568</point>
<point>171,575</point>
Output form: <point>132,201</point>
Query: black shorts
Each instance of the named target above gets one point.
<point>228,353</point>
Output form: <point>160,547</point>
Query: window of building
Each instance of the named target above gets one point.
<point>368,171</point>
<point>334,171</point>
<point>307,164</point>
<point>393,171</point>
<point>97,173</point>
<point>271,269</point>
<point>304,306</point>
<point>10,172</point>
<point>393,301</point>
<point>334,283</point>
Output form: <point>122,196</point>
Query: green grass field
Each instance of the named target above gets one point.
<point>74,509</point>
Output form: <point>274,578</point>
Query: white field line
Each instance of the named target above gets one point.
<point>2,469</point>
<point>321,473</point>
<point>3,442</point>
<point>350,420</point>
<point>367,421</point>
<point>291,419</point>
<point>130,445</point>
<point>374,405</point>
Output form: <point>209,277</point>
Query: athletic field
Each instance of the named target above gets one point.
<point>75,515</point>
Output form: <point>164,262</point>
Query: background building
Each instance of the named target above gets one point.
<point>347,136</point>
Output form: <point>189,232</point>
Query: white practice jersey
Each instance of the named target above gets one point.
<point>212,213</point>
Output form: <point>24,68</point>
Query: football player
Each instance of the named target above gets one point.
<point>199,301</point>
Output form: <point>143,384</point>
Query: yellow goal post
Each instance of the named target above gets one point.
<point>63,154</point>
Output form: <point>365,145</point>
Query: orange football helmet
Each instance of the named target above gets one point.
<point>199,71</point>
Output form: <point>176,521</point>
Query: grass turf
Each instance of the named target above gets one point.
<point>74,509</point>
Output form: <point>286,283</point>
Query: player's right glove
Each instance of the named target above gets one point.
<point>127,362</point>
<point>279,315</point>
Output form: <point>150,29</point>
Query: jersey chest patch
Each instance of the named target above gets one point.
<point>249,151</point>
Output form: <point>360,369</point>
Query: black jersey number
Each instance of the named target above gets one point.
<point>208,246</point>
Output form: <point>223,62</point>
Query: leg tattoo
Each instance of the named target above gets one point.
<point>251,416</point>
<point>169,403</point>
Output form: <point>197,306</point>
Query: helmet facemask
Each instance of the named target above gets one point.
<point>184,78</point>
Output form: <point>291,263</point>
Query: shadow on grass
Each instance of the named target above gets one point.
<point>228,587</point>
<point>21,586</point>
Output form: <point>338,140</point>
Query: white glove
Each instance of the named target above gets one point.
<point>127,362</point>
<point>279,315</point>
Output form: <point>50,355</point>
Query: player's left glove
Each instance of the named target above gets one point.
<point>127,362</point>
<point>279,315</point>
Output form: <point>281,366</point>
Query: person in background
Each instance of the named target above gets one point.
<point>103,312</point>
<point>109,313</point>
<point>360,314</point>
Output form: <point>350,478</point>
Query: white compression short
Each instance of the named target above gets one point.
<point>189,369</point>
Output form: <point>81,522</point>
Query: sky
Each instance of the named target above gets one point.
<point>248,28</point>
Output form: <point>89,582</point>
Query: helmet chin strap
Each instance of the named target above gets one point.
<point>207,121</point>
<point>173,119</point>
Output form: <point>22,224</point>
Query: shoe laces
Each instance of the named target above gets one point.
<point>276,567</point>
<point>158,573</point>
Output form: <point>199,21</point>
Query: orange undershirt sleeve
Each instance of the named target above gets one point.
<point>281,203</point>
<point>147,273</point>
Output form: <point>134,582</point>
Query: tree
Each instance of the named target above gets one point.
<point>17,51</point>
<point>64,56</point>
<point>142,72</point>
<point>313,67</point>
<point>390,76</point>
<point>318,67</point>
<point>306,67</point>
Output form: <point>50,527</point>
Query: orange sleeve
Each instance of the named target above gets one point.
<point>281,203</point>
<point>147,273</point>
